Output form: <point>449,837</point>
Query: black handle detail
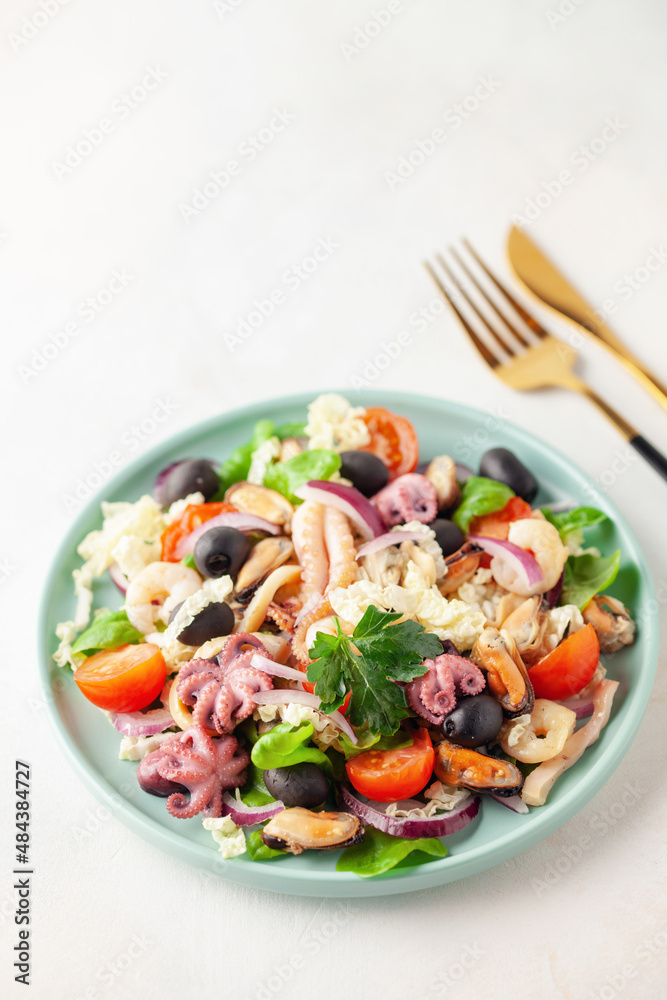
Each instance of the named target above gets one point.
<point>651,454</point>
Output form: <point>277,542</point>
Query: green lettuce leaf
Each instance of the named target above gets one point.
<point>255,792</point>
<point>369,740</point>
<point>380,852</point>
<point>572,523</point>
<point>587,575</point>
<point>286,744</point>
<point>295,430</point>
<point>236,467</point>
<point>287,477</point>
<point>480,496</point>
<point>257,849</point>
<point>108,631</point>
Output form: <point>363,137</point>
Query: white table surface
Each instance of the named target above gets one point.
<point>219,73</point>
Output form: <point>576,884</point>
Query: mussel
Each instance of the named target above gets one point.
<point>266,556</point>
<point>297,830</point>
<point>496,652</point>
<point>456,765</point>
<point>262,501</point>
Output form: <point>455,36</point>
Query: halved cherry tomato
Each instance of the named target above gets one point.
<point>126,679</point>
<point>497,523</point>
<point>343,708</point>
<point>568,668</point>
<point>393,439</point>
<point>391,775</point>
<point>193,515</point>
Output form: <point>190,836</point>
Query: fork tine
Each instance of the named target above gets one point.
<point>494,333</point>
<point>488,355</point>
<point>499,312</point>
<point>529,320</point>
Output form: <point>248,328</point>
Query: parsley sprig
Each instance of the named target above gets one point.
<point>367,663</point>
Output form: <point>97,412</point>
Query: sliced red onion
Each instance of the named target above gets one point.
<point>118,577</point>
<point>289,696</point>
<point>582,707</point>
<point>521,561</point>
<point>232,519</point>
<point>143,723</point>
<point>513,802</point>
<point>441,825</point>
<point>260,662</point>
<point>389,538</point>
<point>348,500</point>
<point>244,815</point>
<point>553,596</point>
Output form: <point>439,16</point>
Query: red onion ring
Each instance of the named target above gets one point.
<point>442,825</point>
<point>518,559</point>
<point>348,500</point>
<point>513,802</point>
<point>244,815</point>
<point>143,723</point>
<point>288,696</point>
<point>387,539</point>
<point>583,708</point>
<point>118,577</point>
<point>232,519</point>
<point>260,662</point>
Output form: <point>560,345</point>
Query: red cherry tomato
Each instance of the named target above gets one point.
<point>568,668</point>
<point>126,679</point>
<point>393,439</point>
<point>391,775</point>
<point>497,523</point>
<point>193,515</point>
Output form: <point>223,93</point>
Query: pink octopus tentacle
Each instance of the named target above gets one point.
<point>204,711</point>
<point>411,497</point>
<point>468,678</point>
<point>234,647</point>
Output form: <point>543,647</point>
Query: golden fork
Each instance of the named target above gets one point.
<point>528,365</point>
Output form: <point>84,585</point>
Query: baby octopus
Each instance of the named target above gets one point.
<point>193,762</point>
<point>433,695</point>
<point>222,692</point>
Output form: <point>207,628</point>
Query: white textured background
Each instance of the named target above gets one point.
<point>220,72</point>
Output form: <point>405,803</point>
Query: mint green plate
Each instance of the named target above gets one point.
<point>91,744</point>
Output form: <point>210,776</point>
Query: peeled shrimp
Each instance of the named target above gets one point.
<point>544,542</point>
<point>308,538</point>
<point>167,582</point>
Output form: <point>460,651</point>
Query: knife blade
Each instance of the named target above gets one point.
<point>546,283</point>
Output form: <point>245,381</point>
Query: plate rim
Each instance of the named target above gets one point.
<point>342,884</point>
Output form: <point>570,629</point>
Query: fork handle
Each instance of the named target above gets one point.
<point>648,452</point>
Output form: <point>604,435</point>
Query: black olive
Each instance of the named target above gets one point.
<point>221,551</point>
<point>193,476</point>
<point>213,620</point>
<point>448,535</point>
<point>503,465</point>
<point>298,785</point>
<point>476,720</point>
<point>366,471</point>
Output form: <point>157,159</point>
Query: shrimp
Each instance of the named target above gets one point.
<point>544,542</point>
<point>171,582</point>
<point>308,538</point>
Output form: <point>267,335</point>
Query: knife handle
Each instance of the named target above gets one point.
<point>651,454</point>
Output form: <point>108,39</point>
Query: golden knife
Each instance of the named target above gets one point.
<point>546,283</point>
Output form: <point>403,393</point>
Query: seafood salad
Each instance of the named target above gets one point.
<point>326,642</point>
